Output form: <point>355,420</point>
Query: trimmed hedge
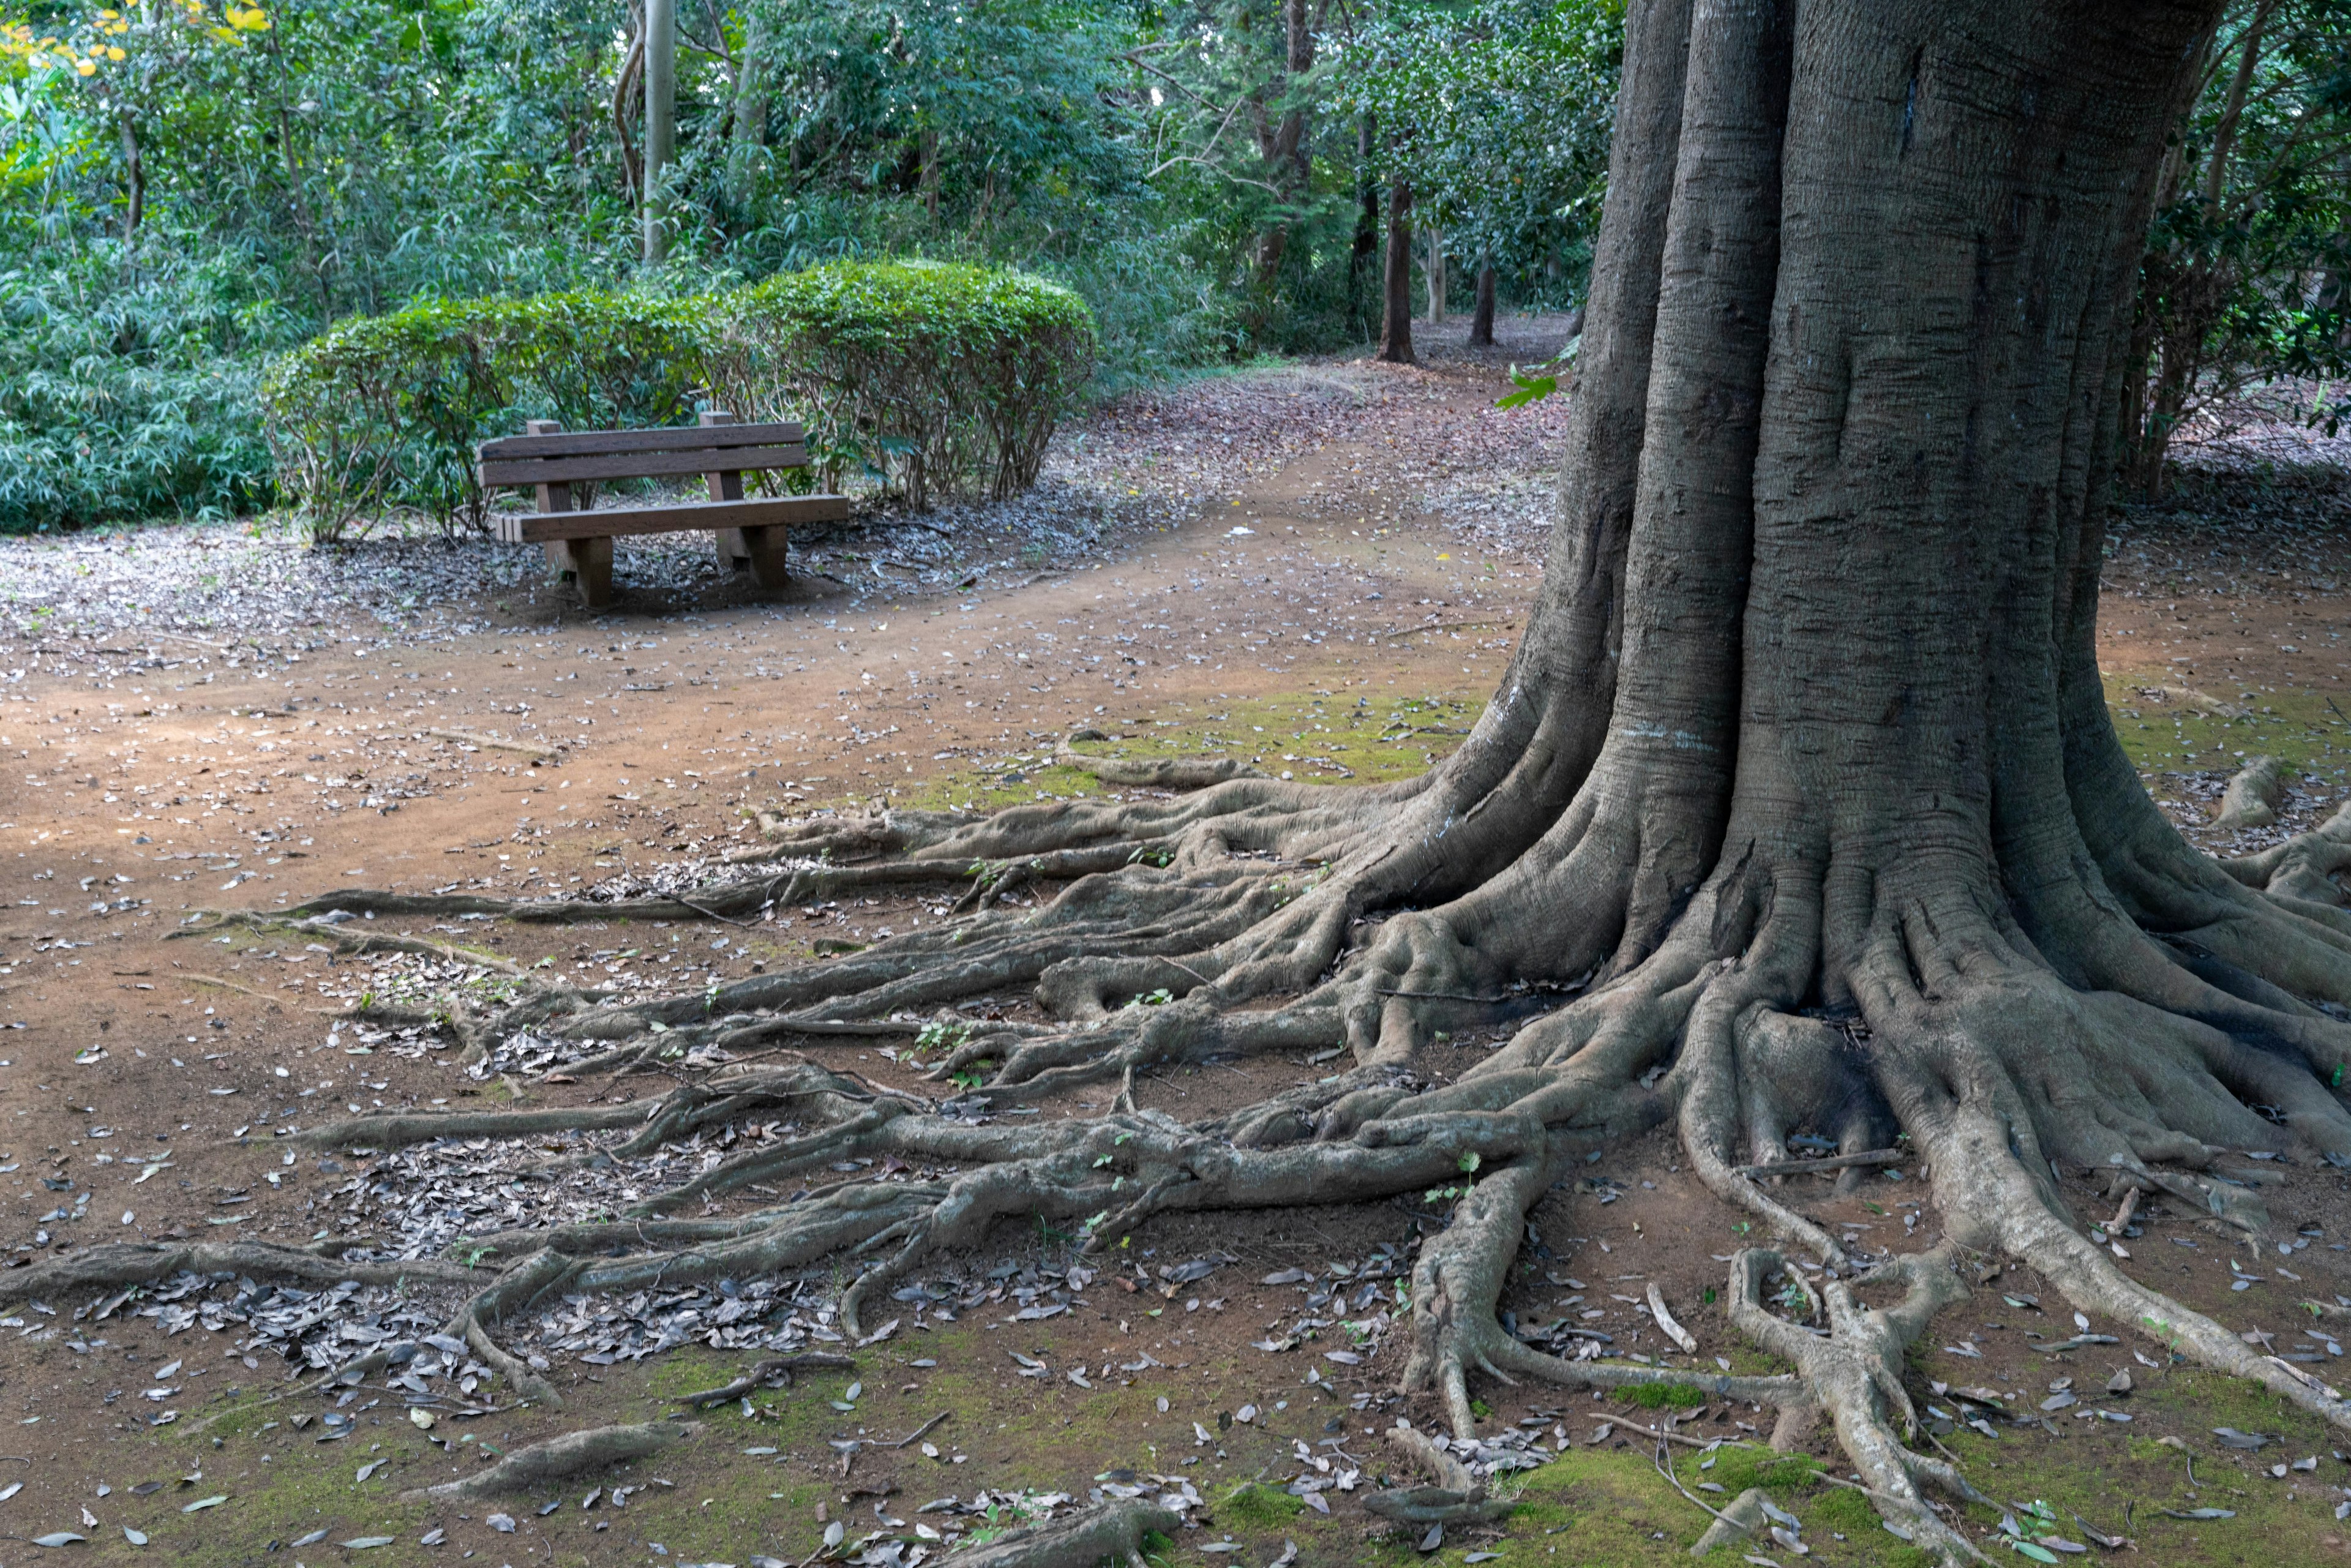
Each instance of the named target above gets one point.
<point>386,411</point>
<point>925,380</point>
<point>933,379</point>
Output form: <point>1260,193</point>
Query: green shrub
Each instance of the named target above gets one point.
<point>126,389</point>
<point>926,380</point>
<point>386,411</point>
<point>933,379</point>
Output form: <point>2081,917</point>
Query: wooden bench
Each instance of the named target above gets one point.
<point>750,531</point>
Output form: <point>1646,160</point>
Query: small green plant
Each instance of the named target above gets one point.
<point>1158,998</point>
<point>1468,1166</point>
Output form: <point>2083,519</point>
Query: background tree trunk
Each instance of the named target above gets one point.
<point>628,103</point>
<point>1395,317</point>
<point>753,86</point>
<point>134,180</point>
<point>1433,272</point>
<point>1287,150</point>
<point>1481,325</point>
<point>1366,244</point>
<point>661,123</point>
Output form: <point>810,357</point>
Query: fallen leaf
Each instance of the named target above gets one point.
<point>423,1419</point>
<point>204,1502</point>
<point>58,1538</point>
<point>502,1522</point>
<point>136,1537</point>
<point>367,1542</point>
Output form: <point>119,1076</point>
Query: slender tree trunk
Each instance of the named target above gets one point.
<point>1395,317</point>
<point>753,85</point>
<point>1481,325</point>
<point>134,180</point>
<point>627,101</point>
<point>1433,274</point>
<point>1366,244</point>
<point>1284,143</point>
<point>660,123</point>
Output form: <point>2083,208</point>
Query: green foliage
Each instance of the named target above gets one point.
<point>1500,113</point>
<point>937,378</point>
<point>931,377</point>
<point>125,390</point>
<point>190,188</point>
<point>386,411</point>
<point>2247,275</point>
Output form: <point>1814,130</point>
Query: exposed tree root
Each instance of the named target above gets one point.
<point>1154,773</point>
<point>1081,1540</point>
<point>775,1372</point>
<point>1856,1375</point>
<point>1457,1498</point>
<point>114,1263</point>
<point>561,1459</point>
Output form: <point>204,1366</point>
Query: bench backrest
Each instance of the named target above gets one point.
<point>717,445</point>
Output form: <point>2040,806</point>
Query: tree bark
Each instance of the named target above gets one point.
<point>134,180</point>
<point>627,100</point>
<point>753,86</point>
<point>660,123</point>
<point>1366,244</point>
<point>1395,317</point>
<point>1482,324</point>
<point>1286,148</point>
<point>1433,273</point>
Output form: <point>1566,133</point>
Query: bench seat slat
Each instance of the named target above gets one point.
<point>604,522</point>
<point>667,439</point>
<point>647,465</point>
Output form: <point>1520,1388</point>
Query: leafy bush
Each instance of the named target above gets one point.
<point>932,378</point>
<point>928,378</point>
<point>387,409</point>
<point>126,390</point>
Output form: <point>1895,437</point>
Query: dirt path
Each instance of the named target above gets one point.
<point>1330,593</point>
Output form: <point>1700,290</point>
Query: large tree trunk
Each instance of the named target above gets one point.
<point>1798,811</point>
<point>1396,290</point>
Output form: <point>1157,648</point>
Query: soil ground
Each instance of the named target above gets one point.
<point>1321,567</point>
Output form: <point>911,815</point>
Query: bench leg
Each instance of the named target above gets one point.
<point>760,551</point>
<point>589,562</point>
<point>733,555</point>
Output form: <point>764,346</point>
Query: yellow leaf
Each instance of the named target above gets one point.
<point>114,53</point>
<point>85,68</point>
